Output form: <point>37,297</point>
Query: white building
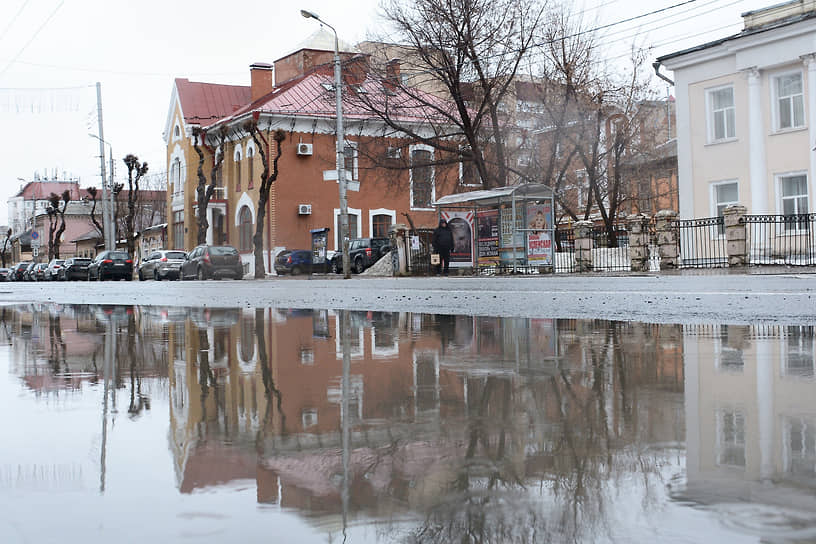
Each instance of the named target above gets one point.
<point>746,115</point>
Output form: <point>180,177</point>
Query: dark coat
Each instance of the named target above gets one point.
<point>442,238</point>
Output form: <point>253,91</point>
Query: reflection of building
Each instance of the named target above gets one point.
<point>751,417</point>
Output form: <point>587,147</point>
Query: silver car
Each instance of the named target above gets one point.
<point>162,264</point>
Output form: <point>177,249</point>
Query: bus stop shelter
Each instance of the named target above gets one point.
<point>507,229</point>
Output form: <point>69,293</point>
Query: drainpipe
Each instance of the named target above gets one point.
<point>656,65</point>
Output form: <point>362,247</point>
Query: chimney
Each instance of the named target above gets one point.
<point>355,70</point>
<point>392,74</point>
<point>262,79</point>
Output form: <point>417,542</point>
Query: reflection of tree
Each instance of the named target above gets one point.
<point>271,392</point>
<point>56,343</point>
<point>137,354</point>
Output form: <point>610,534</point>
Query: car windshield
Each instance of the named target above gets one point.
<point>223,250</point>
<point>175,254</point>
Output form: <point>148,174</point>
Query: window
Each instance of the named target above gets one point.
<point>245,229</point>
<point>731,438</point>
<point>250,168</point>
<point>178,229</point>
<point>468,173</point>
<point>798,355</point>
<point>350,161</point>
<point>353,222</point>
<point>237,160</point>
<point>380,225</point>
<point>790,101</point>
<point>800,447</point>
<point>175,175</point>
<point>422,189</point>
<point>721,114</point>
<point>724,194</point>
<point>793,193</point>
<point>176,132</point>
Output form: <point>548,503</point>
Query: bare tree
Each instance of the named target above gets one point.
<point>5,247</point>
<point>93,192</point>
<point>136,171</point>
<point>205,192</point>
<point>268,176</point>
<point>56,222</point>
<point>472,51</point>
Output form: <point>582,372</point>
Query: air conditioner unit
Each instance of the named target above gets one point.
<point>304,149</point>
<point>304,209</point>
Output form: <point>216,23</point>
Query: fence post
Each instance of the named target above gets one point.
<point>638,227</point>
<point>399,249</point>
<point>736,240</point>
<point>582,231</point>
<point>667,243</point>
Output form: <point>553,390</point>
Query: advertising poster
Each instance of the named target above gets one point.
<point>506,224</point>
<point>461,225</point>
<point>539,237</point>
<point>487,239</point>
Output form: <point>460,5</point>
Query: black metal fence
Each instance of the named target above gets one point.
<point>609,254</point>
<point>702,242</point>
<point>781,239</point>
<point>419,255</point>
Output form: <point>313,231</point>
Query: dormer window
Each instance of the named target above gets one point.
<point>328,86</point>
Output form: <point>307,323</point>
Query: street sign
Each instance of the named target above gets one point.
<point>35,235</point>
<point>331,175</point>
<point>35,251</point>
<point>35,242</point>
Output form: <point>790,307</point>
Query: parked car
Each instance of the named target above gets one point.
<point>217,262</point>
<point>75,268</point>
<point>114,264</point>
<point>363,252</point>
<point>18,270</point>
<point>162,264</point>
<point>28,273</point>
<point>53,268</point>
<point>4,274</point>
<point>38,272</point>
<point>293,261</point>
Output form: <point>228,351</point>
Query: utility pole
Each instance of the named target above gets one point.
<point>106,214</point>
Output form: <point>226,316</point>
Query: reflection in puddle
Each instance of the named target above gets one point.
<point>426,428</point>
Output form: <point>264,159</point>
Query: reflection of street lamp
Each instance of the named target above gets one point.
<point>107,214</point>
<point>341,173</point>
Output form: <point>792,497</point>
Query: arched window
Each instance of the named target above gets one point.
<point>176,132</point>
<point>245,229</point>
<point>237,160</point>
<point>250,168</point>
<point>175,175</point>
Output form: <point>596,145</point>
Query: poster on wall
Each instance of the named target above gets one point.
<point>506,226</point>
<point>539,237</point>
<point>461,225</point>
<point>487,239</point>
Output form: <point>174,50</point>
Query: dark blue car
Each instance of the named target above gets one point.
<point>295,261</point>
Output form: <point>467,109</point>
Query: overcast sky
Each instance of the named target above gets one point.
<point>52,52</point>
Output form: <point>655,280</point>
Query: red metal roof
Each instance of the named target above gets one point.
<point>205,103</point>
<point>312,95</point>
<point>41,190</point>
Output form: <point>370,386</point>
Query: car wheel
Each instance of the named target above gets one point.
<point>358,265</point>
<point>156,275</point>
<point>141,276</point>
<point>337,265</point>
<point>201,275</point>
<point>296,270</point>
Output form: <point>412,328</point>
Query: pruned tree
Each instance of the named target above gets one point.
<point>5,247</point>
<point>56,222</point>
<point>268,176</point>
<point>468,53</point>
<point>205,192</point>
<point>93,192</point>
<point>136,170</point>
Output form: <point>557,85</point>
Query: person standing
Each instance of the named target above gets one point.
<point>442,242</point>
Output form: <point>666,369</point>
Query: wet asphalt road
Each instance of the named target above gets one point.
<point>672,298</point>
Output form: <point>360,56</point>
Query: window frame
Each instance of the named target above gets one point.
<point>237,156</point>
<point>431,181</point>
<point>711,131</point>
<point>242,225</point>
<point>775,98</point>
<point>355,173</point>
<point>780,198</point>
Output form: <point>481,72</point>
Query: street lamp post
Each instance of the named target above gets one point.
<point>340,136</point>
<point>107,207</point>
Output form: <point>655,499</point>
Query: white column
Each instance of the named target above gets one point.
<point>209,222</point>
<point>765,407</point>
<point>810,63</point>
<point>756,142</point>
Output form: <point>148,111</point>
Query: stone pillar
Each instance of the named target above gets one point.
<point>667,243</point>
<point>639,238</point>
<point>582,231</point>
<point>399,249</point>
<point>756,143</point>
<point>736,243</point>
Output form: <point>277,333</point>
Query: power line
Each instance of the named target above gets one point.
<point>13,19</point>
<point>33,37</point>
